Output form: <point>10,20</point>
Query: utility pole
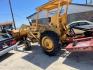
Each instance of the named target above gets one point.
<point>12,13</point>
<point>86,2</point>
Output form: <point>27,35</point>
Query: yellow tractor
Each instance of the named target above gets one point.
<point>50,31</point>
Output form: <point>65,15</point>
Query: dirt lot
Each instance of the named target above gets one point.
<point>37,60</point>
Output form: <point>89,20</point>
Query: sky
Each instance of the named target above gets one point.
<point>21,9</point>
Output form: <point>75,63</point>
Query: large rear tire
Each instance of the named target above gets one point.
<point>50,44</point>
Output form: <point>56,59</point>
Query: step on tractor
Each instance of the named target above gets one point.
<point>48,27</point>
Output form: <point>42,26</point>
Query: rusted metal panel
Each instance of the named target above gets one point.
<point>82,45</point>
<point>81,16</point>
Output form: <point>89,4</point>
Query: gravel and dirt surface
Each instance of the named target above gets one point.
<point>37,60</point>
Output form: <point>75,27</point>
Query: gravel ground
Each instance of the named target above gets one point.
<point>37,60</point>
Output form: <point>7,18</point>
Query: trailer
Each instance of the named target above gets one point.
<point>7,43</point>
<point>81,45</point>
<point>7,49</point>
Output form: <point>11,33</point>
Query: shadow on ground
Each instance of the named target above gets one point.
<point>39,58</point>
<point>5,56</point>
<point>80,61</point>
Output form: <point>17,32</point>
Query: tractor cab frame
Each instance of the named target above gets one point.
<point>54,15</point>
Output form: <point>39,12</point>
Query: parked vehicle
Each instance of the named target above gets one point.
<point>80,23</point>
<point>76,26</point>
<point>7,43</point>
<point>6,26</point>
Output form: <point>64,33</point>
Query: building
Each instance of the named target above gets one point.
<point>6,26</point>
<point>75,12</point>
<point>80,12</point>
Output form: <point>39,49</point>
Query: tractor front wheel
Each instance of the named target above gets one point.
<point>27,44</point>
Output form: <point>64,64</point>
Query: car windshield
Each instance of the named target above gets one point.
<point>73,25</point>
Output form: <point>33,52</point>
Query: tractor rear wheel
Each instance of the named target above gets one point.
<point>50,44</point>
